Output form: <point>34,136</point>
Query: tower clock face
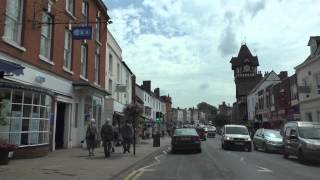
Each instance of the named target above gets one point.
<point>246,68</point>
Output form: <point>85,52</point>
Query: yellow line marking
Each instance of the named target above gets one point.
<point>130,175</point>
<point>137,175</point>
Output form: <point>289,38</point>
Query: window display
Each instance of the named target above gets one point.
<point>27,117</point>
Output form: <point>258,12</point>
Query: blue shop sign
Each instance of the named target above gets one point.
<point>82,32</point>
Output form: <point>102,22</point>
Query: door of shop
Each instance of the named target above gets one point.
<point>60,122</point>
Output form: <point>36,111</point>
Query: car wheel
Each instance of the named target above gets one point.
<point>255,147</point>
<point>264,147</point>
<point>199,150</point>
<point>173,151</point>
<point>249,148</point>
<point>301,157</point>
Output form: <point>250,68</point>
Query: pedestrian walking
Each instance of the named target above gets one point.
<point>107,137</point>
<point>91,136</point>
<point>126,133</point>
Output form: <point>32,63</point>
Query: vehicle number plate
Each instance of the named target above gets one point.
<point>185,139</point>
<point>239,143</point>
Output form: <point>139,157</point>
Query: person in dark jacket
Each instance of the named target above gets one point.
<point>107,137</point>
<point>91,137</point>
<point>126,133</point>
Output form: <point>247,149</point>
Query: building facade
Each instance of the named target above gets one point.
<point>308,78</point>
<point>118,78</point>
<point>259,100</point>
<point>63,82</point>
<point>246,77</point>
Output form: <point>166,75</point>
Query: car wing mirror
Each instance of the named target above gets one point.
<point>293,137</point>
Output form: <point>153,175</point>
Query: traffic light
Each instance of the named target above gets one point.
<point>158,117</point>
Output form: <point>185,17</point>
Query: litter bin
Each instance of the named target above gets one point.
<point>156,140</point>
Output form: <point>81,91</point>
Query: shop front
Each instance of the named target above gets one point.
<point>25,116</point>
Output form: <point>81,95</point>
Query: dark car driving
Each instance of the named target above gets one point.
<point>185,139</point>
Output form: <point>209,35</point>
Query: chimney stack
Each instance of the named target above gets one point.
<point>147,86</point>
<point>157,92</point>
<point>283,75</point>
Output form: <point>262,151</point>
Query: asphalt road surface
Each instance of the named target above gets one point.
<point>215,163</point>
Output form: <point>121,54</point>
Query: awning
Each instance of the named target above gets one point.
<point>15,85</point>
<point>89,88</point>
<point>9,68</point>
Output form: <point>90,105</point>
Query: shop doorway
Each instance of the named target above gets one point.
<point>60,125</point>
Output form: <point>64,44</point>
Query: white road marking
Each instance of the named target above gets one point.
<point>262,169</point>
<point>164,152</point>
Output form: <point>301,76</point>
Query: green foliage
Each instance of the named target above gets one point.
<point>207,108</point>
<point>133,113</point>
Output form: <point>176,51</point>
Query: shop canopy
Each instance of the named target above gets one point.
<point>8,68</point>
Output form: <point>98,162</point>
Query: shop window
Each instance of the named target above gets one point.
<point>36,99</point>
<point>27,111</point>
<point>36,112</point>
<point>27,117</point>
<point>17,97</point>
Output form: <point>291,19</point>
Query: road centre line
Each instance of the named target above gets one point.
<point>130,175</point>
<point>262,169</point>
<point>137,175</point>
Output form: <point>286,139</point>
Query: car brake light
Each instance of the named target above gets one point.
<point>196,138</point>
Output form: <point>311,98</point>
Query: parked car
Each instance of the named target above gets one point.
<point>267,140</point>
<point>211,131</point>
<point>185,139</point>
<point>202,133</point>
<point>235,136</point>
<point>302,139</point>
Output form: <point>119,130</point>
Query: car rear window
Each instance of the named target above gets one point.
<point>185,132</point>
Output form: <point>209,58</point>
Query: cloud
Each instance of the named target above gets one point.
<point>228,44</point>
<point>204,86</point>
<point>253,7</point>
<point>184,46</point>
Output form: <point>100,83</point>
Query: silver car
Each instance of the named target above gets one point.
<point>302,139</point>
<point>267,140</point>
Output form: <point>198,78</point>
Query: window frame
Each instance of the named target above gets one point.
<point>16,22</point>
<point>67,62</point>
<point>85,11</point>
<point>49,38</point>
<point>84,60</point>
<point>96,65</point>
<point>15,129</point>
<point>70,9</point>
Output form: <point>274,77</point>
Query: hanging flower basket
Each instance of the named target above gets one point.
<point>4,152</point>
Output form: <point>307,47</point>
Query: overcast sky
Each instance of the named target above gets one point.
<point>184,46</point>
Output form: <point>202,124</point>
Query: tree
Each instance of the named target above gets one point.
<point>133,113</point>
<point>207,108</point>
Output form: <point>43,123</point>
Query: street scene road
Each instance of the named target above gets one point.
<point>215,163</point>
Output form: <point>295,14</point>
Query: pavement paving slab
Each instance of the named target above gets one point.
<point>74,163</point>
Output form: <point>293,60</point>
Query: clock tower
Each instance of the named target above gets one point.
<point>246,77</point>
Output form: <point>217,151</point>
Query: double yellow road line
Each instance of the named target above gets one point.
<point>134,175</point>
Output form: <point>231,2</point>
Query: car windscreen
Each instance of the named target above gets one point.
<point>272,134</point>
<point>312,132</point>
<point>185,132</point>
<point>237,130</point>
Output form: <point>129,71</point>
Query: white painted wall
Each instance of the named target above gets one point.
<point>252,98</point>
<point>309,102</point>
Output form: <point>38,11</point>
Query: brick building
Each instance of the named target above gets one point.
<point>63,82</point>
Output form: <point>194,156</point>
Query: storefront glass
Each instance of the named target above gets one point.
<point>24,117</point>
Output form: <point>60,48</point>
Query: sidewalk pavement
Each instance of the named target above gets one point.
<point>74,163</point>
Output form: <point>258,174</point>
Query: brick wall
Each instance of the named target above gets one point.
<point>31,38</point>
